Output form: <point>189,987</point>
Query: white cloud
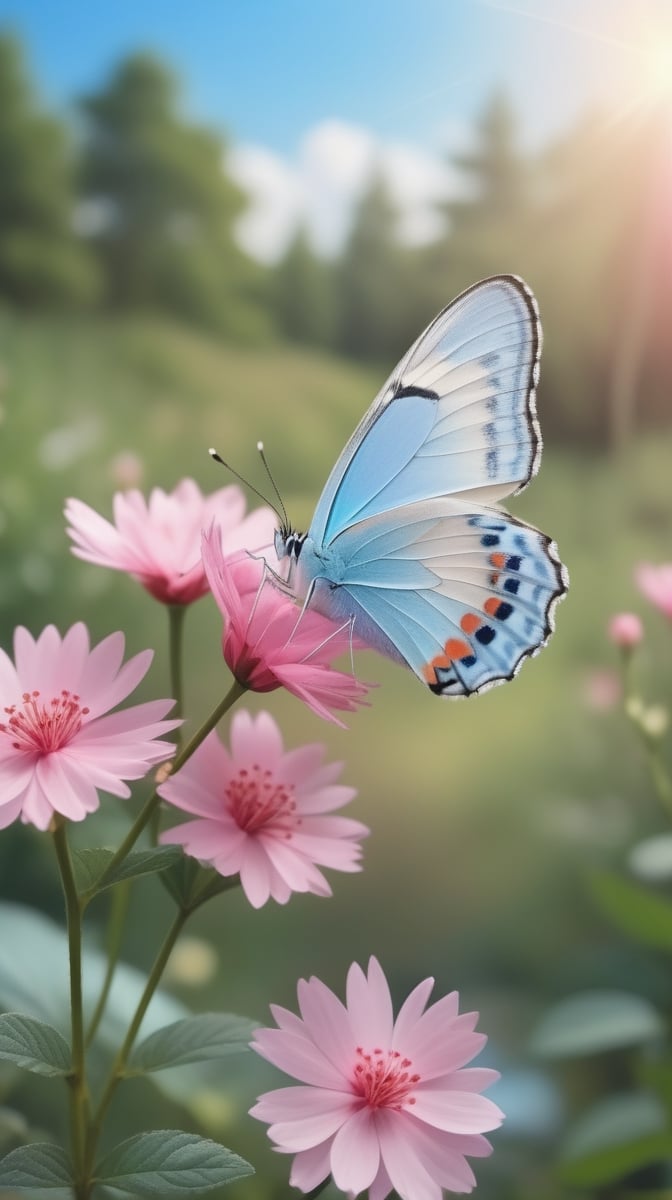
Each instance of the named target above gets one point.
<point>320,185</point>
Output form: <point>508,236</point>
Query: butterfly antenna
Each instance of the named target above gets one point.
<point>281,515</point>
<point>260,448</point>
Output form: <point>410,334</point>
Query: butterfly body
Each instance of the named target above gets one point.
<point>408,542</point>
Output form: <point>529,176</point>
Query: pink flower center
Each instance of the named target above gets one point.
<point>39,727</point>
<point>256,802</point>
<point>383,1079</point>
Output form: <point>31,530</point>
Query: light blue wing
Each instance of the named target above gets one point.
<point>461,596</point>
<point>457,416</point>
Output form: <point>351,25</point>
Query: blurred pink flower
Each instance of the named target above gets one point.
<point>57,746</point>
<point>655,582</point>
<point>383,1104</point>
<point>602,690</point>
<point>626,630</point>
<point>159,542</point>
<point>261,812</point>
<point>269,643</point>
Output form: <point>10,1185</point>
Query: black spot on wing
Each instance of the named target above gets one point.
<point>412,390</point>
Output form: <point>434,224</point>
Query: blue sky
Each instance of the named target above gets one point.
<point>267,68</point>
<point>402,73</point>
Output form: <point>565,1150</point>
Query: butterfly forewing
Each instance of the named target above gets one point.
<point>456,416</point>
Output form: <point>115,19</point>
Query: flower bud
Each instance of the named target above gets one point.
<point>626,630</point>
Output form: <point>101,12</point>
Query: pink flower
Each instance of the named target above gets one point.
<point>57,746</point>
<point>602,690</point>
<point>160,543</point>
<point>626,630</point>
<point>269,643</point>
<point>656,584</point>
<point>382,1104</point>
<point>261,812</point>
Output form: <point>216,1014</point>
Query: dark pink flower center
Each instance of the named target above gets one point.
<point>38,727</point>
<point>384,1079</point>
<point>256,802</point>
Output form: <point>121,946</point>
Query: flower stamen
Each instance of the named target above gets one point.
<point>383,1079</point>
<point>256,801</point>
<point>42,727</point>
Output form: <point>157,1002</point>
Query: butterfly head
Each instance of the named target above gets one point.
<point>288,543</point>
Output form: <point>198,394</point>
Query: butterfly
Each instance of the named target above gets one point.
<point>408,543</point>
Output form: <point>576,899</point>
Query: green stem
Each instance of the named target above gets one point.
<point>79,1098</point>
<point>121,896</point>
<point>661,779</point>
<point>176,629</point>
<point>119,1065</point>
<point>176,613</point>
<point>235,692</point>
<point>634,709</point>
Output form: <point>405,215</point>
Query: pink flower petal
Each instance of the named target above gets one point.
<point>370,1006</point>
<point>327,1020</point>
<point>310,1167</point>
<point>407,1172</point>
<point>355,1153</point>
<point>411,1011</point>
<point>249,733</point>
<point>446,1165</point>
<point>382,1184</point>
<point>296,1103</point>
<point>456,1112</point>
<point>255,873</point>
<point>68,795</point>
<point>434,1056</point>
<point>299,1058</point>
<point>10,810</point>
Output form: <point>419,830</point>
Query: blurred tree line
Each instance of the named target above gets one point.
<point>132,208</point>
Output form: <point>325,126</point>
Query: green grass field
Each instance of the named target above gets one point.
<point>484,815</point>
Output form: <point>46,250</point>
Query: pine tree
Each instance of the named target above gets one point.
<point>497,177</point>
<point>379,297</point>
<point>303,296</point>
<point>168,205</point>
<point>41,261</point>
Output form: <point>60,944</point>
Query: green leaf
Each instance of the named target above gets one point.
<point>39,1167</point>
<point>182,878</point>
<point>651,859</point>
<point>195,1039</point>
<point>167,1162</point>
<point>591,1022</point>
<point>616,1137</point>
<point>634,910</point>
<point>90,865</point>
<point>33,1045</point>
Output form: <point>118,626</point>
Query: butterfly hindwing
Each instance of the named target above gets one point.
<point>456,416</point>
<point>461,596</point>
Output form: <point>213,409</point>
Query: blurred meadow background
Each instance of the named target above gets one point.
<point>226,222</point>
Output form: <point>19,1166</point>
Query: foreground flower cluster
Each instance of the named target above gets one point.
<point>381,1103</point>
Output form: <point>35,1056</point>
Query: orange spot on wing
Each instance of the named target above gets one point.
<point>491,605</point>
<point>470,622</point>
<point>440,661</point>
<point>456,648</point>
<point>498,559</point>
